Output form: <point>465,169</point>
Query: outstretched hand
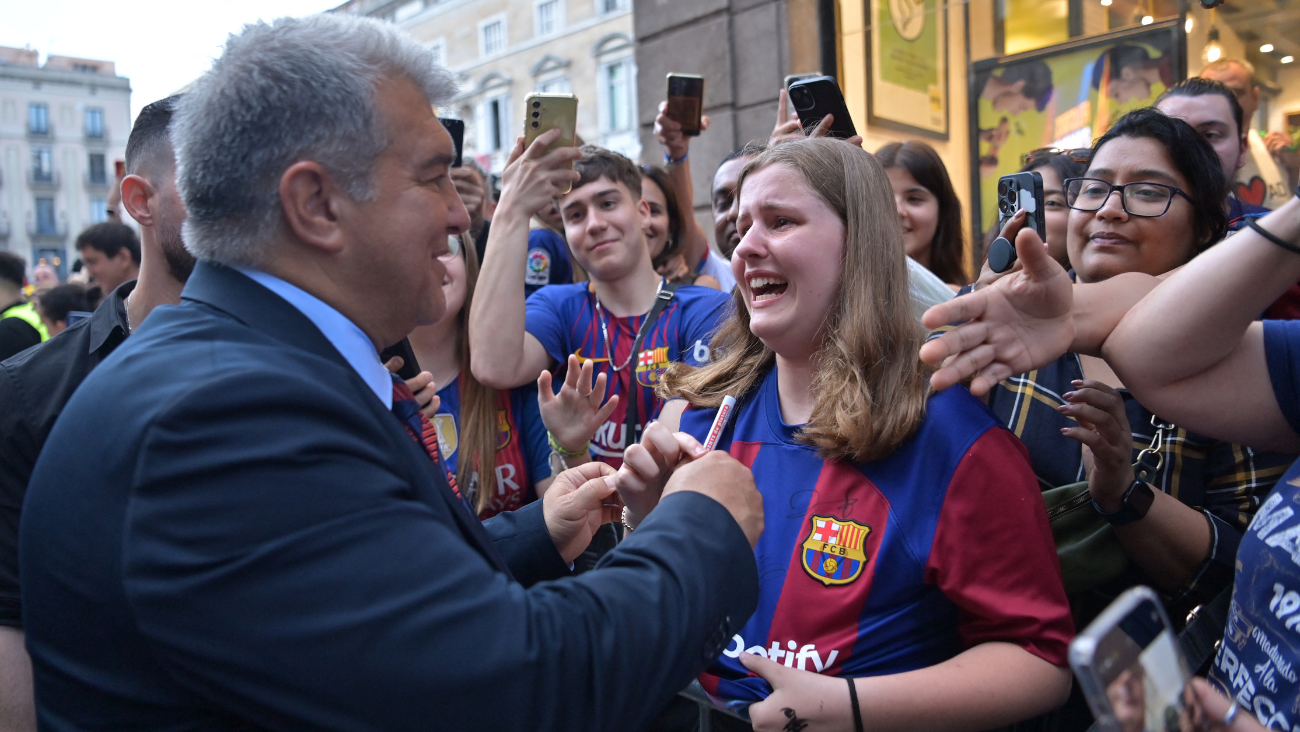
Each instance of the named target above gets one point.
<point>668,132</point>
<point>800,700</point>
<point>1019,323</point>
<point>788,127</point>
<point>574,415</point>
<point>578,502</point>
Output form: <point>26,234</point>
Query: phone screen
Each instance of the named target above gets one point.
<point>686,102</point>
<point>1142,671</point>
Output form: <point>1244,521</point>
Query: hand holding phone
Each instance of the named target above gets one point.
<point>1016,192</point>
<point>543,112</point>
<point>814,99</point>
<point>686,102</point>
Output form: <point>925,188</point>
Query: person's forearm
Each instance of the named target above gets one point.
<point>990,685</point>
<point>1099,307</point>
<point>695,245</point>
<point>1169,544</point>
<point>496,318</point>
<point>1199,314</point>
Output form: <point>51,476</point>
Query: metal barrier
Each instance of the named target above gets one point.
<point>710,713</point>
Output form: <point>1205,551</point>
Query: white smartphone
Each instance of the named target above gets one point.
<point>1130,667</point>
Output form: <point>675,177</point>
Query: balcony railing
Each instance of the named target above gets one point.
<point>40,132</point>
<point>99,180</point>
<point>4,228</point>
<point>47,232</point>
<point>45,180</point>
<point>98,135</point>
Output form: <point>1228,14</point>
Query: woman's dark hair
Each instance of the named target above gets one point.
<point>927,168</point>
<point>56,302</point>
<point>1061,163</point>
<point>675,224</point>
<point>1193,157</point>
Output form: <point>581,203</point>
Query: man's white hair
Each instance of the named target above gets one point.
<point>297,89</point>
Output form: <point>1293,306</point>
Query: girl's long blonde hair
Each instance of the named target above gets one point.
<point>870,386</point>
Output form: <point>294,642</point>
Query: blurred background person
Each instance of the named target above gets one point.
<point>928,208</point>
<point>665,230</point>
<point>55,303</point>
<point>111,253</point>
<point>1272,159</point>
<point>20,324</point>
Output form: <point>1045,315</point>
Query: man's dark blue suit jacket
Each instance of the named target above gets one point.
<point>226,529</point>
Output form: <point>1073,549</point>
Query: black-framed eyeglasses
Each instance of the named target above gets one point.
<point>1077,155</point>
<point>1138,199</point>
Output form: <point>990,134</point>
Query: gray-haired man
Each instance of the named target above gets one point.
<point>242,533</point>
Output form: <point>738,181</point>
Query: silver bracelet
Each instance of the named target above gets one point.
<point>626,523</point>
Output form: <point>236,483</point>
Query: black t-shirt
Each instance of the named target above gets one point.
<point>16,334</point>
<point>34,388</point>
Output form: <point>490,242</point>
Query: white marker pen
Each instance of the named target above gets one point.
<point>719,422</point>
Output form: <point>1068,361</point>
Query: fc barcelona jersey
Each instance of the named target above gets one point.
<point>894,565</point>
<point>522,451</point>
<point>564,319</point>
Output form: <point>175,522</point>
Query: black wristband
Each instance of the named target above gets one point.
<point>853,699</point>
<point>1137,501</point>
<point>1272,237</point>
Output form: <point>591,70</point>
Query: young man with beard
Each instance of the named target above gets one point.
<point>36,384</point>
<point>512,342</point>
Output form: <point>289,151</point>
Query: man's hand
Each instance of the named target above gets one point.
<point>533,177</point>
<point>1021,322</point>
<point>574,415</point>
<point>1283,148</point>
<point>727,481</point>
<point>472,194</point>
<point>668,132</point>
<point>800,699</point>
<point>578,502</point>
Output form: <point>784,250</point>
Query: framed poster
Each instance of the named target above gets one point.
<point>1065,96</point>
<point>908,56</point>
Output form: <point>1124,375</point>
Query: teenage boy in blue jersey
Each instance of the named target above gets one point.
<point>513,342</point>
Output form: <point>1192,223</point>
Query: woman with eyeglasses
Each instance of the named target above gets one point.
<point>494,441</point>
<point>1152,198</point>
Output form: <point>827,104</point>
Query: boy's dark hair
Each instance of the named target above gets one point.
<point>56,302</point>
<point>13,268</point>
<point>597,163</point>
<point>751,149</point>
<point>109,238</point>
<point>1198,87</point>
<point>927,168</point>
<point>149,133</point>
<point>1193,157</point>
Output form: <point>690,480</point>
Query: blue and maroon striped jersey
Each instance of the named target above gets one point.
<point>899,564</point>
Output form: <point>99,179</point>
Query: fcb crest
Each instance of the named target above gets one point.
<point>650,364</point>
<point>833,552</point>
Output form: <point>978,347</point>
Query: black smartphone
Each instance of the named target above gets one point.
<point>456,128</point>
<point>410,367</point>
<point>815,98</point>
<point>1017,191</point>
<point>686,101</point>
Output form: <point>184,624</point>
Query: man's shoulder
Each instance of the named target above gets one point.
<point>47,374</point>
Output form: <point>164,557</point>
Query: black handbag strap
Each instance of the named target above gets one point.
<point>630,424</point>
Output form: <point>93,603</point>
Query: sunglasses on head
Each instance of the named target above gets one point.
<point>1077,155</point>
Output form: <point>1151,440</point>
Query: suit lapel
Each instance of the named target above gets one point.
<point>257,307</point>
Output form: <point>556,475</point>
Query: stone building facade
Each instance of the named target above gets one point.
<point>63,125</point>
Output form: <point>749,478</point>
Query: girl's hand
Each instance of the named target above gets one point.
<point>1108,442</point>
<point>421,385</point>
<point>574,415</point>
<point>647,466</point>
<point>800,700</point>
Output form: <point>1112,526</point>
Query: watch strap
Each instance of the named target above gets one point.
<point>1137,501</point>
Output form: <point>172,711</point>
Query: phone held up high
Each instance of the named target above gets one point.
<point>817,97</point>
<point>685,101</point>
<point>544,112</point>
<point>1016,192</point>
<point>456,128</point>
<point>1129,665</point>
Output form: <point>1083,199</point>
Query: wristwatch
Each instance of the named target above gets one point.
<point>1137,501</point>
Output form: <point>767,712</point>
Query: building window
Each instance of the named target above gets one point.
<point>42,165</point>
<point>616,91</point>
<point>38,119</point>
<point>95,123</point>
<point>611,6</point>
<point>408,10</point>
<point>492,36</point>
<point>98,210</point>
<point>438,48</point>
<point>493,124</point>
<point>554,85</point>
<point>550,16</point>
<point>97,175</point>
<point>45,216</point>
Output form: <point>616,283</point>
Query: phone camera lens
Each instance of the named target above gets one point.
<point>537,105</point>
<point>536,124</point>
<point>536,115</point>
<point>1003,187</point>
<point>801,97</point>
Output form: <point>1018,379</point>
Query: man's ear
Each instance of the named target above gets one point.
<point>312,203</point>
<point>1243,152</point>
<point>136,192</point>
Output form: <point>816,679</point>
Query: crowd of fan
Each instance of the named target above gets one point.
<point>573,340</point>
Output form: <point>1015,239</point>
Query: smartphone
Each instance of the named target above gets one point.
<point>456,128</point>
<point>410,367</point>
<point>1129,665</point>
<point>817,97</point>
<point>119,167</point>
<point>686,101</point>
<point>1017,191</point>
<point>544,112</point>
